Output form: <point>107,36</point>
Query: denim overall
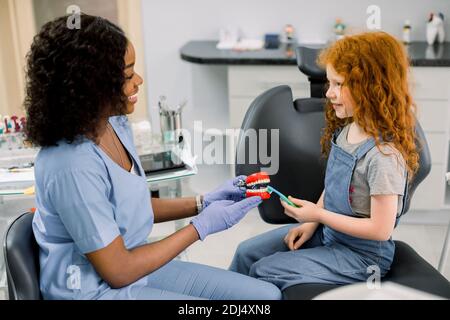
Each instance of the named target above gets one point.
<point>329,256</point>
<point>340,168</point>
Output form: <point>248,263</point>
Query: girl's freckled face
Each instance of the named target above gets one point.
<point>338,94</point>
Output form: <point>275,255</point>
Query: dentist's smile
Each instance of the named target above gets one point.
<point>133,99</point>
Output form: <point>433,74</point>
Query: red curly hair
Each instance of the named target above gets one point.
<point>375,69</point>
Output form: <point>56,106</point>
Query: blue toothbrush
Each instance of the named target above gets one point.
<point>282,196</point>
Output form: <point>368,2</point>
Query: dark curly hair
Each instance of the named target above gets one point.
<point>75,77</point>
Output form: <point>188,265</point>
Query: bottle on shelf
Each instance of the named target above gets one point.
<point>407,32</point>
<point>339,29</point>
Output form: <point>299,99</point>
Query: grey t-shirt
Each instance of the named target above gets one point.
<point>375,173</point>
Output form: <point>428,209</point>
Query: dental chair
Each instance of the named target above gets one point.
<point>302,170</point>
<point>21,253</point>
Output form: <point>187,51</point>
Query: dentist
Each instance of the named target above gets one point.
<point>94,211</point>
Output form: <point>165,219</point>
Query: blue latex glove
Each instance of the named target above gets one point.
<point>222,214</point>
<point>227,191</point>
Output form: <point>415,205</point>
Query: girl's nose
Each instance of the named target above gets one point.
<point>330,94</point>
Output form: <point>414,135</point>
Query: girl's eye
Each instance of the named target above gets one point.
<point>339,84</point>
<point>130,77</point>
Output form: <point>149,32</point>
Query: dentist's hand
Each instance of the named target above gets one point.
<point>222,214</point>
<point>227,191</point>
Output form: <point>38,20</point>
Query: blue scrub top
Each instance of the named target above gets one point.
<point>84,201</point>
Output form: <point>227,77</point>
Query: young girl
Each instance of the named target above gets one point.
<point>369,140</point>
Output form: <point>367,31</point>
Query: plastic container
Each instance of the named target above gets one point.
<point>170,121</point>
<point>407,32</point>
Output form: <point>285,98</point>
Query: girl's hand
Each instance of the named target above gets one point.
<point>308,211</point>
<point>297,236</point>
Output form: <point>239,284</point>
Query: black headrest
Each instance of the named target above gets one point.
<point>22,260</point>
<point>307,62</point>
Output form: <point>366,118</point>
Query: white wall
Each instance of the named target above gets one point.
<point>169,24</point>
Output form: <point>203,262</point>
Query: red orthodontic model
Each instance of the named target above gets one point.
<point>256,185</point>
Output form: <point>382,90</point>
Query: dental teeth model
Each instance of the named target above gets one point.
<point>256,185</point>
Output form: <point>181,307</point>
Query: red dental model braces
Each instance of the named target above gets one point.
<point>256,185</point>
